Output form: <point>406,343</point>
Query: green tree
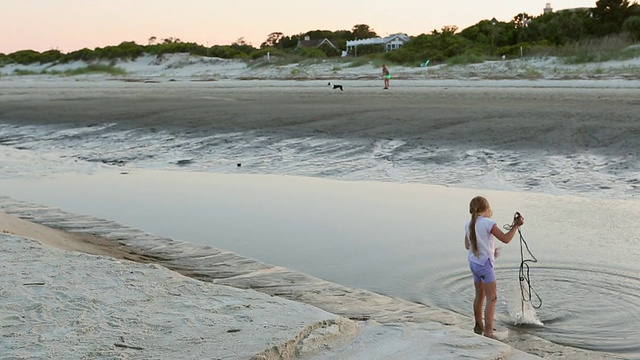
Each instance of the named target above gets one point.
<point>242,46</point>
<point>438,47</point>
<point>362,31</point>
<point>609,15</point>
<point>449,29</point>
<point>125,50</point>
<point>319,34</point>
<point>226,52</point>
<point>632,27</point>
<point>272,40</point>
<point>573,25</point>
<point>521,20</point>
<point>171,40</point>
<point>84,54</point>
<point>25,57</point>
<point>50,56</point>
<point>343,35</point>
<point>288,42</point>
<point>491,33</point>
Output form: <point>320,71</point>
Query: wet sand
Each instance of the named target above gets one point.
<point>597,116</point>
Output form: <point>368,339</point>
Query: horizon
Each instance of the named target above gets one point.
<point>70,25</point>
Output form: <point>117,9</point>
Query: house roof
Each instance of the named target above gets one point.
<point>317,43</point>
<point>378,40</point>
<point>369,41</point>
<point>401,36</point>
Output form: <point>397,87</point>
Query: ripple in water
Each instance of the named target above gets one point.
<point>584,306</point>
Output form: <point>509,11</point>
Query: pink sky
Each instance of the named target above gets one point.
<point>69,25</point>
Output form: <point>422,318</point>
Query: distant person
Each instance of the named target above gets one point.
<point>386,76</point>
<point>478,239</point>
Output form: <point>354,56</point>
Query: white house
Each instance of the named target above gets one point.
<point>391,42</point>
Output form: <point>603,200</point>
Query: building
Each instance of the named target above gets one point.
<point>390,43</point>
<point>308,43</point>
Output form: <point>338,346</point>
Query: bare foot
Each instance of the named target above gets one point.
<point>490,336</point>
<point>477,329</point>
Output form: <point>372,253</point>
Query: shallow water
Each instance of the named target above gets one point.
<point>403,240</point>
<point>396,235</point>
<point>61,149</point>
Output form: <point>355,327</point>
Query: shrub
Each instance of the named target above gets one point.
<point>632,27</point>
<point>596,50</point>
<point>96,68</point>
<point>179,47</point>
<point>79,55</point>
<point>359,61</point>
<point>532,74</point>
<point>226,52</point>
<point>466,58</point>
<point>400,57</point>
<point>126,50</point>
<point>24,72</point>
<point>630,52</point>
<point>262,53</point>
<point>25,57</point>
<point>310,53</point>
<point>50,56</point>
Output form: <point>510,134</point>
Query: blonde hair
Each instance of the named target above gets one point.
<point>477,206</point>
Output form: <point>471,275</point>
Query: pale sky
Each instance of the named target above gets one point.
<point>69,25</point>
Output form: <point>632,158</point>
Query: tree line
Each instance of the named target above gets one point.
<point>613,22</point>
<point>551,31</point>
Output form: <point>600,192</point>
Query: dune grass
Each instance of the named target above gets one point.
<point>466,59</point>
<point>95,68</point>
<point>615,47</point>
<point>23,72</point>
<point>89,69</point>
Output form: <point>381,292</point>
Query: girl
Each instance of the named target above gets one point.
<point>479,234</point>
<point>386,76</point>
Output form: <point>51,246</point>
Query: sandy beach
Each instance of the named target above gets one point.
<point>74,293</point>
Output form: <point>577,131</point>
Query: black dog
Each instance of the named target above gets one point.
<point>336,86</point>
